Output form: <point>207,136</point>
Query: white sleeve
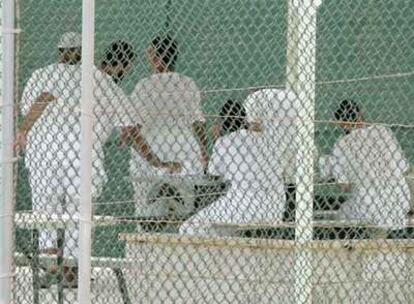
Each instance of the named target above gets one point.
<point>137,111</point>
<point>113,102</point>
<point>392,152</point>
<point>326,163</point>
<point>253,107</point>
<point>126,114</point>
<point>32,90</point>
<point>195,107</point>
<point>216,164</point>
<point>339,163</point>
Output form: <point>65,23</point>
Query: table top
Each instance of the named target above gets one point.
<point>196,180</point>
<point>39,220</point>
<point>164,239</point>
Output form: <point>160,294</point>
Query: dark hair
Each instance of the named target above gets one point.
<point>72,55</point>
<point>119,52</point>
<point>233,115</point>
<point>166,49</point>
<point>71,49</point>
<point>347,111</point>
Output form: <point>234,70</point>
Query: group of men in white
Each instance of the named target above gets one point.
<point>163,122</point>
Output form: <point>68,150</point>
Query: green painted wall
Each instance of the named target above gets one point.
<point>237,44</point>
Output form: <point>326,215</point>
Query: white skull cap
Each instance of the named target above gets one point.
<point>70,40</point>
<point>270,104</point>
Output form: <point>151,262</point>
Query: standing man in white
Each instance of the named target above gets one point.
<point>369,163</point>
<point>174,125</point>
<point>51,131</point>
<point>115,64</point>
<point>251,161</point>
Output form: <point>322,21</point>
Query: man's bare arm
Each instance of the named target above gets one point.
<point>32,116</point>
<point>200,131</point>
<point>345,187</point>
<point>133,134</point>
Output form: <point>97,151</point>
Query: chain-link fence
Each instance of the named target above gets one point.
<point>242,152</point>
<point>1,62</point>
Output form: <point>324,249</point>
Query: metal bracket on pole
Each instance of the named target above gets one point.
<point>11,31</point>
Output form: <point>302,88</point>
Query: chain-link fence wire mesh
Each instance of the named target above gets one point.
<point>1,52</point>
<point>222,230</point>
<point>1,63</point>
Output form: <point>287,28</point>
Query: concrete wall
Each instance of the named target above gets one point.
<point>173,270</point>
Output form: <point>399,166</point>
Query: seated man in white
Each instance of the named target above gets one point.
<point>173,127</point>
<point>250,161</point>
<point>281,109</point>
<point>232,118</point>
<point>370,164</point>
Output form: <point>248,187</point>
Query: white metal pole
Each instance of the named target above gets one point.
<point>301,62</point>
<point>292,48</point>
<point>87,123</point>
<point>6,205</point>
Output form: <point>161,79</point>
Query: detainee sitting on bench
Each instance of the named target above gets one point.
<point>369,164</point>
<point>250,161</point>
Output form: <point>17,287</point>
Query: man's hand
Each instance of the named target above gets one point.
<point>345,187</point>
<point>20,141</point>
<point>199,130</point>
<point>205,160</point>
<point>172,167</point>
<point>127,135</point>
<point>46,98</point>
<point>215,131</point>
<point>50,251</point>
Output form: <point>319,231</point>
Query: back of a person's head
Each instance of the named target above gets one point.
<point>119,52</point>
<point>166,49</point>
<point>70,48</point>
<point>347,111</point>
<point>233,115</point>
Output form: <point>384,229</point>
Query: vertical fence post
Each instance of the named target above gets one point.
<point>87,123</point>
<point>301,61</point>
<point>6,205</point>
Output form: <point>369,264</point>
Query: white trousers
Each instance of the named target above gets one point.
<point>55,190</point>
<point>237,207</point>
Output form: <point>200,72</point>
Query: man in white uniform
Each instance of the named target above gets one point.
<point>174,125</point>
<point>116,62</point>
<point>251,162</point>
<point>280,111</point>
<point>51,132</point>
<point>369,162</point>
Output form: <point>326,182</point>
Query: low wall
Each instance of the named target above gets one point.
<point>173,269</point>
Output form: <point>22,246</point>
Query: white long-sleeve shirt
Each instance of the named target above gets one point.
<point>280,111</point>
<point>372,161</point>
<point>53,143</point>
<point>54,140</point>
<point>249,162</point>
<point>172,103</point>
